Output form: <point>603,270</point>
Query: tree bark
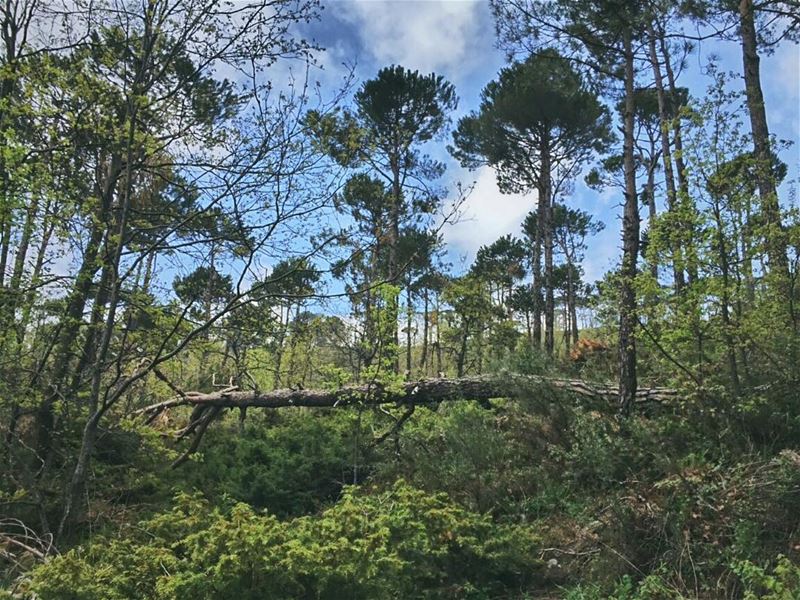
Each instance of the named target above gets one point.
<point>630,246</point>
<point>776,245</point>
<point>71,323</point>
<point>727,325</point>
<point>549,302</point>
<point>279,348</point>
<point>462,352</point>
<point>571,300</point>
<point>423,391</point>
<point>425,331</point>
<point>686,237</point>
<point>537,271</point>
<point>393,302</point>
<point>409,319</point>
<point>48,226</point>
<point>573,316</point>
<point>666,153</point>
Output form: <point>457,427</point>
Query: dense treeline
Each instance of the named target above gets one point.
<point>181,211</point>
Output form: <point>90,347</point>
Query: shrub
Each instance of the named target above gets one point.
<point>400,542</point>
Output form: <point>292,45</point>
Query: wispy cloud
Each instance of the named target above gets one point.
<point>429,36</point>
<point>781,73</point>
<point>487,215</point>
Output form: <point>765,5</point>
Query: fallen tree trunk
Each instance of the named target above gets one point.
<point>206,406</point>
<point>424,391</point>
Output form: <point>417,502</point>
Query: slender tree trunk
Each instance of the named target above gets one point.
<point>767,191</point>
<point>549,303</point>
<point>528,326</point>
<point>727,325</point>
<point>479,334</point>
<point>8,79</point>
<point>650,193</point>
<point>282,331</point>
<point>571,298</point>
<point>438,337</point>
<point>409,320</point>
<point>70,326</point>
<point>685,203</point>
<point>462,352</point>
<point>758,123</point>
<point>294,339</point>
<point>746,227</point>
<point>87,356</point>
<point>541,209</point>
<point>48,226</point>
<point>573,310</point>
<point>373,336</point>
<point>5,245</point>
<point>97,408</point>
<point>630,245</point>
<point>148,272</point>
<point>666,154</point>
<point>392,303</point>
<point>21,256</point>
<point>425,332</point>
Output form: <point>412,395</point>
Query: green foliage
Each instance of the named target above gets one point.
<point>290,466</point>
<point>399,542</point>
<point>539,103</point>
<point>782,582</point>
<point>129,157</point>
<point>402,101</point>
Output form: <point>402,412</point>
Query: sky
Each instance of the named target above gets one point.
<point>455,38</point>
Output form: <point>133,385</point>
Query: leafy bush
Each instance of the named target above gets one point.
<point>782,583</point>
<point>291,465</point>
<point>398,543</point>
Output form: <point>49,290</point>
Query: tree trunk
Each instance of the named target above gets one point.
<point>294,339</point>
<point>86,358</point>
<point>686,229</point>
<point>393,303</point>
<point>480,333</point>
<point>71,324</point>
<point>571,300</point>
<point>5,244</point>
<point>541,208</point>
<point>282,331</point>
<point>20,259</point>
<point>630,245</point>
<point>462,352</point>
<point>776,245</point>
<point>724,265</point>
<point>98,407</point>
<point>650,193</point>
<point>48,226</point>
<point>421,391</point>
<point>409,319</point>
<point>148,272</point>
<point>425,332</point>
<point>573,316</point>
<point>438,337</point>
<point>528,326</point>
<point>549,303</point>
<point>666,154</point>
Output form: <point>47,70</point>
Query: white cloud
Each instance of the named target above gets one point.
<point>487,215</point>
<point>428,36</point>
<point>781,74</point>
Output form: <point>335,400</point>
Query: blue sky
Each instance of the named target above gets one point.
<point>455,38</point>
